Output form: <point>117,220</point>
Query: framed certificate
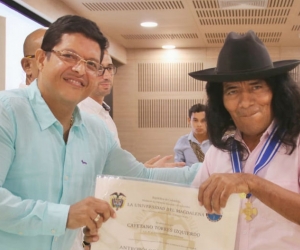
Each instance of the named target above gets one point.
<point>161,216</point>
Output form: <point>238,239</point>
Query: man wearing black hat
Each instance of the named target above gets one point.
<point>257,98</point>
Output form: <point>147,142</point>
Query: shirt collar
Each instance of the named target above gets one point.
<point>95,106</point>
<point>192,138</point>
<point>105,106</point>
<point>41,110</point>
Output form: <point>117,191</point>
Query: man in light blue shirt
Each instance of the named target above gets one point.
<point>51,152</point>
<point>192,147</point>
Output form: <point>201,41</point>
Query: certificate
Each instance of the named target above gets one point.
<point>160,216</point>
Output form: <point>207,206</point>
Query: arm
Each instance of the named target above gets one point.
<point>24,206</point>
<point>214,192</point>
<point>162,162</point>
<point>17,215</point>
<point>121,163</point>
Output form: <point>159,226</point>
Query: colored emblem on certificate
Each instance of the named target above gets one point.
<point>161,216</point>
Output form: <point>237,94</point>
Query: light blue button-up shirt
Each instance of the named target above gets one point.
<point>41,175</point>
<point>183,151</point>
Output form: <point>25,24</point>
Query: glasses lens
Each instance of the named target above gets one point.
<point>93,66</point>
<point>69,56</point>
<point>112,69</point>
<point>74,59</point>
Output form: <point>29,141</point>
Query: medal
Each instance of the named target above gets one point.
<point>265,156</point>
<point>249,211</point>
<point>242,195</point>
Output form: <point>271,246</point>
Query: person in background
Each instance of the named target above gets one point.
<point>32,42</point>
<point>192,147</point>
<point>95,104</point>
<point>48,167</point>
<point>257,98</point>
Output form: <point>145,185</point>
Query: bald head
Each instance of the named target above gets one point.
<point>33,42</point>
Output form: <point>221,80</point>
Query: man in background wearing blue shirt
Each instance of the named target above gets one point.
<point>192,147</point>
<point>51,152</point>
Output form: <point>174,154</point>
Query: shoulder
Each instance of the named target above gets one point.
<point>15,97</point>
<point>183,138</point>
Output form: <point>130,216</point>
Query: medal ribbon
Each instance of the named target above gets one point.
<point>265,156</point>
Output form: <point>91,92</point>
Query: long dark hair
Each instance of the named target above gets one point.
<point>285,107</point>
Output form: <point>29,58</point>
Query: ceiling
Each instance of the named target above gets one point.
<point>191,23</point>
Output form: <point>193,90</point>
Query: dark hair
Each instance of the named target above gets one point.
<point>73,24</point>
<point>285,107</point>
<point>196,109</point>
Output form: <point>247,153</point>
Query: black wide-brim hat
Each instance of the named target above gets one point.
<point>242,58</point>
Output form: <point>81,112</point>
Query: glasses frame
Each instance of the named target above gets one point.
<point>59,54</point>
<point>30,56</point>
<point>106,68</point>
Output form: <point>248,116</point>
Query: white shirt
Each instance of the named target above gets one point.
<point>90,106</point>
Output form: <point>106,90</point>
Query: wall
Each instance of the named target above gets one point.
<point>17,27</point>
<point>151,97</point>
<point>53,9</point>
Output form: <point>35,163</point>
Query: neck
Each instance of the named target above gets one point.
<point>251,141</point>
<point>98,99</point>
<point>200,138</point>
<point>62,112</point>
<point>28,80</point>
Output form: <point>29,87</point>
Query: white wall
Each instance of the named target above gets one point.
<point>17,28</point>
<point>2,52</point>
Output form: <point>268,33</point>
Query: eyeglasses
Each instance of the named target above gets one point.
<point>111,69</point>
<point>30,56</point>
<point>73,59</point>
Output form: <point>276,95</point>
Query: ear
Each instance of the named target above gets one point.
<point>26,65</point>
<point>40,56</point>
<point>189,120</point>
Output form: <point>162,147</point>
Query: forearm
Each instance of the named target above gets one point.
<point>122,163</point>
<point>31,217</point>
<point>283,201</point>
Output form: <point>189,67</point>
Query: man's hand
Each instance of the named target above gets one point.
<point>162,162</point>
<point>215,191</point>
<point>89,237</point>
<point>90,212</point>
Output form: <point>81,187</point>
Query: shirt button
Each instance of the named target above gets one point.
<point>66,177</point>
<point>20,233</point>
<point>55,239</point>
<point>53,231</point>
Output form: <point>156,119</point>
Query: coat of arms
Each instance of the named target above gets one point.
<point>117,200</point>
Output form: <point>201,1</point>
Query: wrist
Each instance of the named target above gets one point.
<point>251,182</point>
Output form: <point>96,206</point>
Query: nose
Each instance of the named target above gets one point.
<point>246,99</point>
<point>106,74</point>
<point>79,67</point>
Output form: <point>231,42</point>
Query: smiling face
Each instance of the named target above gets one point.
<point>63,82</point>
<point>249,105</point>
